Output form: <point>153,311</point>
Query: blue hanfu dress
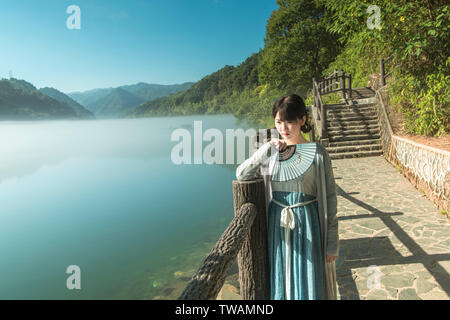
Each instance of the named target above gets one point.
<point>297,236</point>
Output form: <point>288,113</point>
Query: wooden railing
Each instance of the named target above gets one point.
<point>337,81</point>
<point>384,75</point>
<point>319,112</point>
<point>246,239</point>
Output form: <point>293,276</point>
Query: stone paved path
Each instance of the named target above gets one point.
<point>393,242</point>
<point>394,245</point>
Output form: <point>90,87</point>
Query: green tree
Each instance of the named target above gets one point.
<point>298,45</point>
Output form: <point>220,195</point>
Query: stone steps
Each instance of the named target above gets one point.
<point>354,143</point>
<point>352,132</point>
<point>351,117</point>
<point>344,106</point>
<point>362,93</point>
<point>353,101</point>
<point>356,154</point>
<point>355,137</point>
<point>354,148</point>
<point>350,107</point>
<point>353,125</point>
<point>352,122</point>
<point>351,113</point>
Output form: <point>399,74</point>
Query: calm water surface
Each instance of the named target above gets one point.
<point>104,195</point>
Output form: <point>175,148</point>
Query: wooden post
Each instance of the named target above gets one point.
<point>335,80</point>
<point>253,258</point>
<point>343,84</point>
<point>311,134</point>
<point>323,122</point>
<point>341,80</point>
<point>314,91</point>
<point>350,85</point>
<point>319,109</point>
<point>383,80</point>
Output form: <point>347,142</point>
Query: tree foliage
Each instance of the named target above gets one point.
<point>298,45</point>
<point>415,34</point>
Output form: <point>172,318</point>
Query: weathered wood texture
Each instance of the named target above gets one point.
<point>208,280</point>
<point>253,259</point>
<point>319,112</point>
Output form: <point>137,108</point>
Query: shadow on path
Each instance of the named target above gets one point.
<point>379,251</point>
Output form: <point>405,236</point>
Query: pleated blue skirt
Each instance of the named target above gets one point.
<point>306,266</point>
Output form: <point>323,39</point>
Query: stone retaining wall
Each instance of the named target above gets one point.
<point>427,168</point>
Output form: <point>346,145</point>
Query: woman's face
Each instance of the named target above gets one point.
<point>289,130</point>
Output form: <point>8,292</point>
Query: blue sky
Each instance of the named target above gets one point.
<point>125,42</point>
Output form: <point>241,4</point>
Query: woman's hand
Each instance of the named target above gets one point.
<point>331,258</point>
<point>278,143</point>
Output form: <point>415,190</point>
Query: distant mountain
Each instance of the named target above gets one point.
<point>112,102</point>
<point>211,95</point>
<point>154,91</point>
<point>20,100</point>
<point>112,105</point>
<point>88,98</point>
<point>58,95</point>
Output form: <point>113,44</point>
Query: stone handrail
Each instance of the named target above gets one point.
<point>427,168</point>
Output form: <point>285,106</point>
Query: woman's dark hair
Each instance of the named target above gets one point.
<point>290,108</point>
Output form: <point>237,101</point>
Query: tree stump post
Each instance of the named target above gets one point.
<point>253,258</point>
<point>209,278</point>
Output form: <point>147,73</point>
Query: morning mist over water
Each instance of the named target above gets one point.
<point>104,195</point>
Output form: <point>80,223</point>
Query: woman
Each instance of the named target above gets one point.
<point>301,203</point>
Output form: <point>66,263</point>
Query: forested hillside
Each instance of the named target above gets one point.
<point>306,39</point>
<point>215,93</point>
<point>112,102</point>
<point>81,111</point>
<point>20,100</point>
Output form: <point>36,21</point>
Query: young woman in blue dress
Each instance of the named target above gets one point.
<point>289,124</point>
<point>301,203</point>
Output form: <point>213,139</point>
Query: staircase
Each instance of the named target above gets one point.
<point>353,129</point>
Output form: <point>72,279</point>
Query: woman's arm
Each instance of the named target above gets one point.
<point>249,169</point>
<point>332,229</point>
